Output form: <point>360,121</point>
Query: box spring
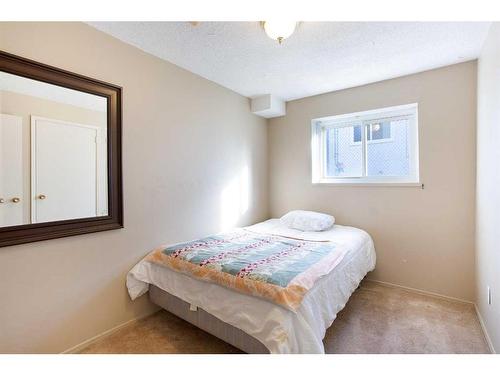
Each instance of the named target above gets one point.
<point>207,322</point>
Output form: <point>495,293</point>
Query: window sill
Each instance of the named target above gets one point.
<point>370,184</point>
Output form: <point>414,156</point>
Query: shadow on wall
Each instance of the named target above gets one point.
<point>235,200</point>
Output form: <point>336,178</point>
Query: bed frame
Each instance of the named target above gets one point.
<point>207,322</point>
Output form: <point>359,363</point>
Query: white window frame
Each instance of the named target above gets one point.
<point>318,145</point>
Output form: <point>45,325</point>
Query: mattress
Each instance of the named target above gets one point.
<point>277,328</point>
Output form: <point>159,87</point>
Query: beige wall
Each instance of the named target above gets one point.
<point>179,184</point>
<point>26,106</point>
<point>424,238</point>
<point>488,182</point>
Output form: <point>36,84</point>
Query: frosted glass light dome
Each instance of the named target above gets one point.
<point>279,30</point>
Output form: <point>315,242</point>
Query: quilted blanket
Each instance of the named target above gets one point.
<point>279,269</point>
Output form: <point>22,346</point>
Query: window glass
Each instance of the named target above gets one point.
<point>357,133</point>
<point>343,158</point>
<point>390,158</point>
<point>379,130</point>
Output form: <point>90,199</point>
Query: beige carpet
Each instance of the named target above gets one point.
<point>377,319</point>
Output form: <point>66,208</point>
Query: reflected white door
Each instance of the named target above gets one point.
<point>11,170</point>
<point>64,170</point>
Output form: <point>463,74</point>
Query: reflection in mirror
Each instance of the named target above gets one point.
<point>53,152</point>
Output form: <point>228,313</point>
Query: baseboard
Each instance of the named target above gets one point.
<point>420,291</point>
<point>79,347</point>
<point>485,331</point>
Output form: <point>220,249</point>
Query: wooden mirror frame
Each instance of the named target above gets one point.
<point>25,233</point>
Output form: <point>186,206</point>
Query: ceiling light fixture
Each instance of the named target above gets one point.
<point>279,30</point>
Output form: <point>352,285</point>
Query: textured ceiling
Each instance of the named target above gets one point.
<point>319,57</point>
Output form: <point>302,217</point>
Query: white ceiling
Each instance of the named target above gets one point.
<point>319,57</point>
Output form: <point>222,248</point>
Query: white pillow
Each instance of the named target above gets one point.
<point>308,221</point>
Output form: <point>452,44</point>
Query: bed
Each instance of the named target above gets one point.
<point>263,322</point>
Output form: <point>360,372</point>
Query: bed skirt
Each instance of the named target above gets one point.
<point>207,322</point>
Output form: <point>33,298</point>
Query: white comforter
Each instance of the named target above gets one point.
<point>279,329</point>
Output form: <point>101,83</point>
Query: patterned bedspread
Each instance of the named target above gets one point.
<point>276,268</point>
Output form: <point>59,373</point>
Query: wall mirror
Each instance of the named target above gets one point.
<point>60,153</point>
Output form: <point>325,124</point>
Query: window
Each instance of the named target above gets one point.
<point>379,131</point>
<point>378,146</point>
